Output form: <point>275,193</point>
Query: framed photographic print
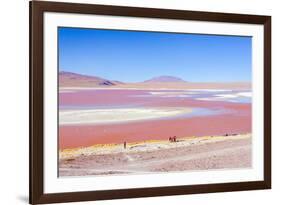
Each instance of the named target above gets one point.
<point>138,102</point>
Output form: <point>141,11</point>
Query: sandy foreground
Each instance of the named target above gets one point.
<point>190,153</point>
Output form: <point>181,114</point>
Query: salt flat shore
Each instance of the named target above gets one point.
<point>152,156</point>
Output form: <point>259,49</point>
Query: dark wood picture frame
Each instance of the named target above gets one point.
<point>37,9</point>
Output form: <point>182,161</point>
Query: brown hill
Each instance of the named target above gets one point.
<point>69,79</point>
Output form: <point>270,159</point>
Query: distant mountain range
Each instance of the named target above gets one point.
<point>75,79</point>
<point>164,79</point>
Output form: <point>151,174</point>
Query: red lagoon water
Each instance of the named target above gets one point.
<point>236,121</point>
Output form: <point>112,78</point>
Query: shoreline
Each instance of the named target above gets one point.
<point>146,145</point>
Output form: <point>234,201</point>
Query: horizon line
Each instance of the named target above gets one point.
<point>183,80</point>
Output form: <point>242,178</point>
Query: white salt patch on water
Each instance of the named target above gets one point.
<point>210,90</point>
<point>101,116</point>
<point>227,96</point>
<point>207,99</point>
<point>173,94</point>
<point>232,96</point>
<point>245,94</point>
<point>67,91</point>
<point>235,95</point>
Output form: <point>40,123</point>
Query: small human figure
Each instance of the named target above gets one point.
<point>125,145</point>
<point>175,138</point>
<point>170,139</point>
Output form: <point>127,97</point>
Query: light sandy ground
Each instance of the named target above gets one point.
<point>193,153</point>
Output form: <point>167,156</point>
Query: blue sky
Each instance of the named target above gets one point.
<point>133,56</point>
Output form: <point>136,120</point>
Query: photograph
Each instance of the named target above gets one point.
<point>129,102</point>
<point>146,102</point>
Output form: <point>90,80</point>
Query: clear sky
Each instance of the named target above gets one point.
<point>133,56</point>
